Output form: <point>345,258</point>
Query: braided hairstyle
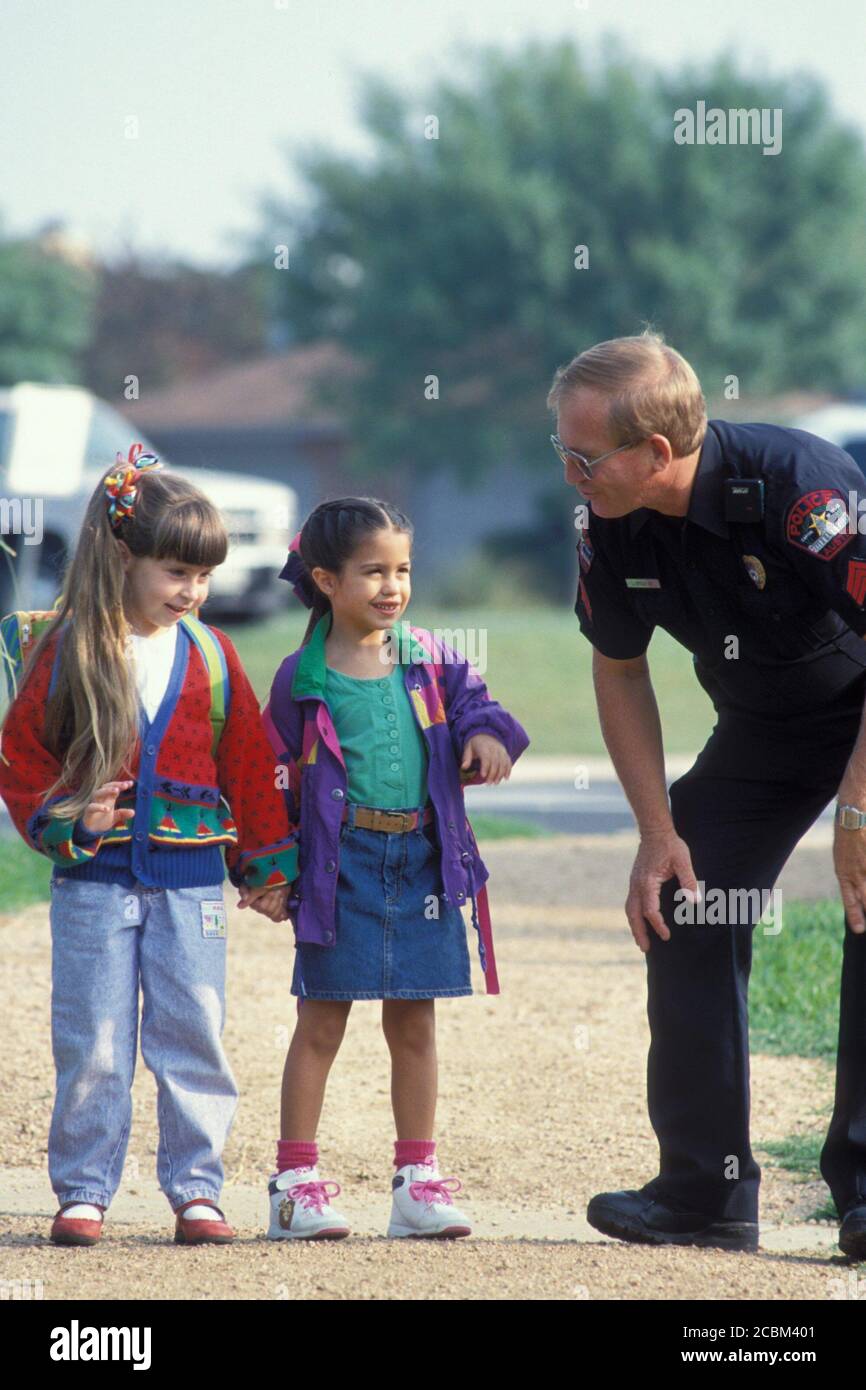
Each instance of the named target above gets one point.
<point>330,536</point>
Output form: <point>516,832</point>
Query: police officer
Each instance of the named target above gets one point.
<point>743,542</point>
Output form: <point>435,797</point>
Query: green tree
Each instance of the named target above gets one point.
<point>46,305</point>
<point>453,257</point>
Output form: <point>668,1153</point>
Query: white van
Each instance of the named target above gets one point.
<point>842,423</point>
<point>55,444</point>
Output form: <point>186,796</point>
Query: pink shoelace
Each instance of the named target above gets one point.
<point>434,1190</point>
<point>314,1194</point>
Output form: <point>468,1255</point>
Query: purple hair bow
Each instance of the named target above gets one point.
<point>295,573</point>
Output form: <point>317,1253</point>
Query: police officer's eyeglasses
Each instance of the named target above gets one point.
<point>580,461</point>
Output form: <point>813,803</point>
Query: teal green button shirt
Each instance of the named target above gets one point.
<point>383,747</point>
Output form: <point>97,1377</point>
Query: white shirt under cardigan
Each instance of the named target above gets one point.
<point>153,658</point>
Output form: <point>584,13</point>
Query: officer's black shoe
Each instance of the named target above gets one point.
<point>639,1217</point>
<point>852,1232</point>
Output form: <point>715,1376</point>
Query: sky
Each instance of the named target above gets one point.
<point>221,94</point>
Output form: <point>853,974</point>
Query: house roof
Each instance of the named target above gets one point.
<point>292,389</point>
<point>281,389</point>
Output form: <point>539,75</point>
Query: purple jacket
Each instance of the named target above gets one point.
<point>451,704</point>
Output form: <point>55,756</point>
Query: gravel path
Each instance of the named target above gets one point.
<point>542,1103</point>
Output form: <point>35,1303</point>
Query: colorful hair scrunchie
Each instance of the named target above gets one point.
<point>295,573</point>
<point>121,486</point>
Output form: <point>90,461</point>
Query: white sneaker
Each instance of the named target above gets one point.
<point>300,1209</point>
<point>422,1204</point>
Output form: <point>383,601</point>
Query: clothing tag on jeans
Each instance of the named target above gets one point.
<point>213,919</point>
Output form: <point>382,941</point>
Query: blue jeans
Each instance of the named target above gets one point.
<point>105,938</point>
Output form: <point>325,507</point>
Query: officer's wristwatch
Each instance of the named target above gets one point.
<point>850,817</point>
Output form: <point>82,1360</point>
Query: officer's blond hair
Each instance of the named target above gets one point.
<point>652,390</point>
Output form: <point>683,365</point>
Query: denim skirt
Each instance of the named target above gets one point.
<point>395,936</point>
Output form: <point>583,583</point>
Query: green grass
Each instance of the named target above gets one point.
<point>538,665</point>
<point>488,827</point>
<point>800,1154</point>
<point>24,874</point>
<point>794,989</point>
<point>794,1009</point>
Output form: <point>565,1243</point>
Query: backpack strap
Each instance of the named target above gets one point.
<point>480,905</point>
<point>484,927</point>
<point>13,660</point>
<point>215,660</point>
<point>19,633</point>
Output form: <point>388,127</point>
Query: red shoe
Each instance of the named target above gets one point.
<point>202,1232</point>
<point>76,1230</point>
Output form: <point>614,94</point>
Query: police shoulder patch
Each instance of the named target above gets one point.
<point>818,522</point>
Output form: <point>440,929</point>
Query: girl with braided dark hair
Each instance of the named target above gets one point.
<point>376,724</point>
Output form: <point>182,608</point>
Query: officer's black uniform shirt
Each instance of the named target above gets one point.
<point>772,610</point>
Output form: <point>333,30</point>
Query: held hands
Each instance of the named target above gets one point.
<point>661,855</point>
<point>493,756</point>
<point>101,814</point>
<point>271,902</point>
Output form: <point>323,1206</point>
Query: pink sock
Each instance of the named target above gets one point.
<point>413,1151</point>
<point>296,1153</point>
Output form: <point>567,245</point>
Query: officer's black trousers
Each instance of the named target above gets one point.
<point>754,790</point>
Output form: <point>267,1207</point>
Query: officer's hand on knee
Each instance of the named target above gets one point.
<point>849,854</point>
<point>660,856</point>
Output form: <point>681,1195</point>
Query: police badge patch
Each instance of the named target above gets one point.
<point>818,523</point>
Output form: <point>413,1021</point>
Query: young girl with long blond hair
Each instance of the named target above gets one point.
<point>132,756</point>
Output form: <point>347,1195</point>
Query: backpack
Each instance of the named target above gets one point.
<point>20,631</point>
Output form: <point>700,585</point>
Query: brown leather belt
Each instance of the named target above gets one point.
<point>391,822</point>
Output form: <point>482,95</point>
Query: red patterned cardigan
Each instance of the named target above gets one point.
<point>187,805</point>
